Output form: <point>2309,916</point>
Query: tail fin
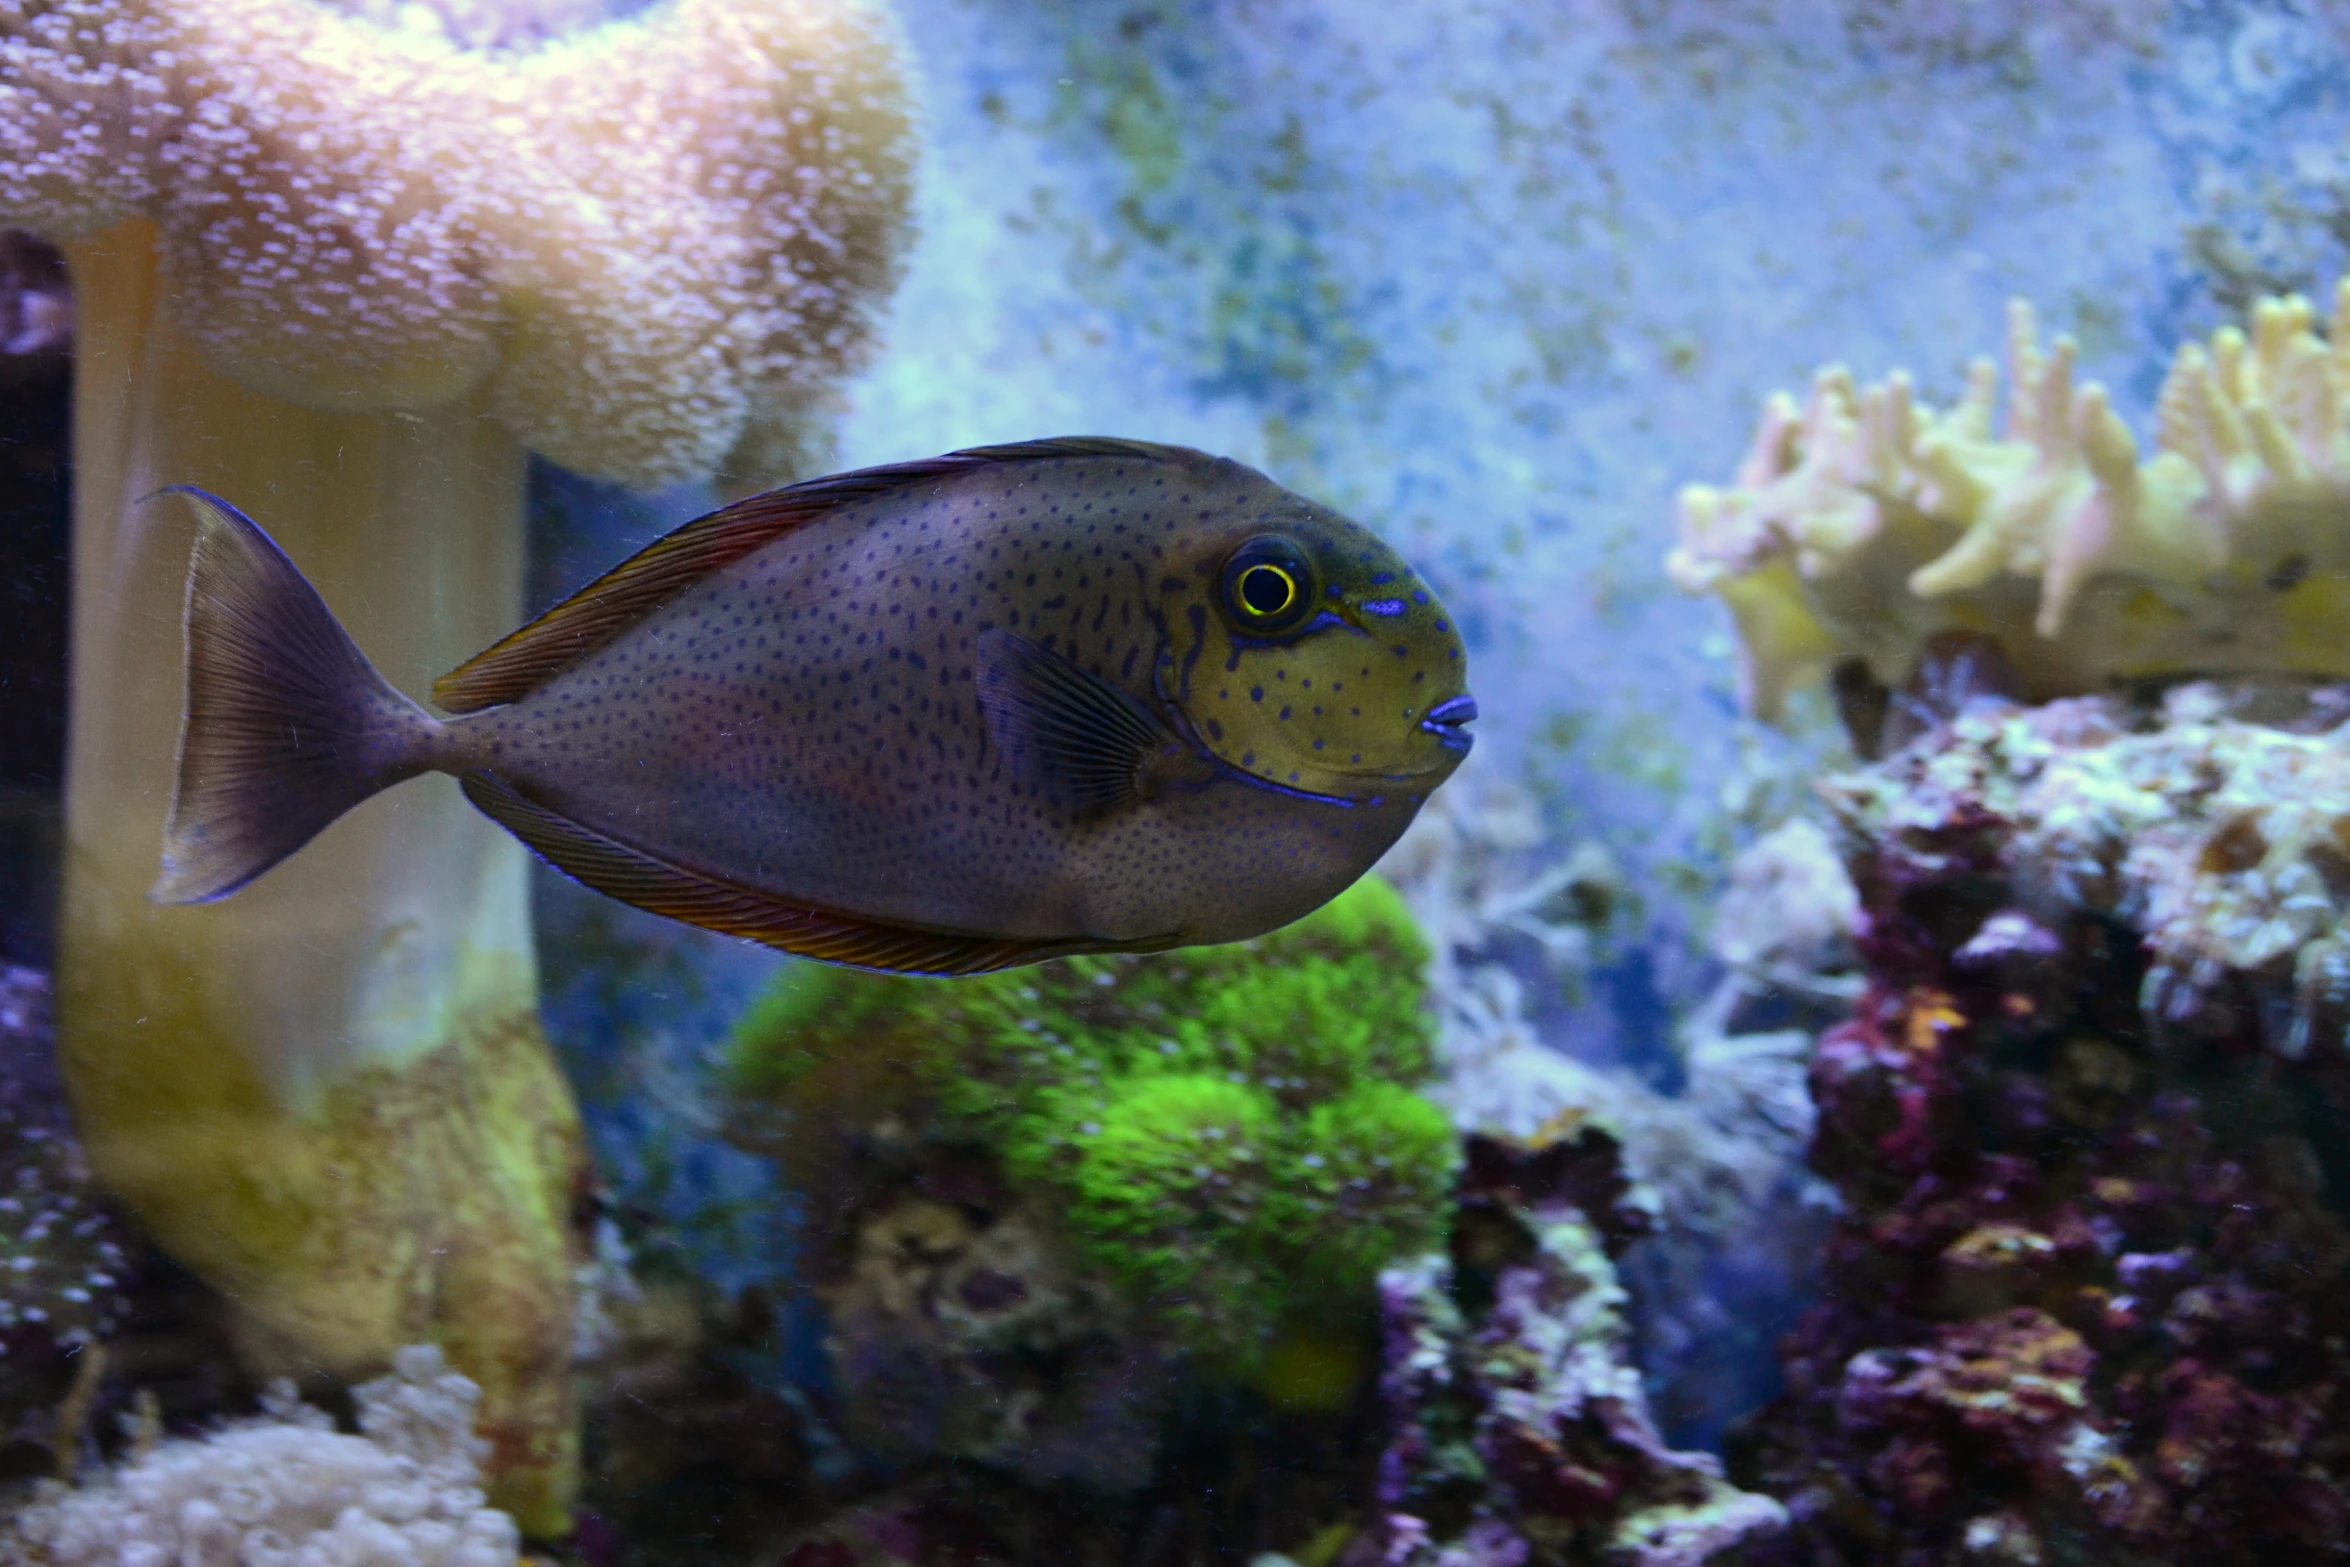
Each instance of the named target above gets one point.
<point>287,725</point>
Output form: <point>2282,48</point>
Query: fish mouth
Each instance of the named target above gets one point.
<point>1445,721</point>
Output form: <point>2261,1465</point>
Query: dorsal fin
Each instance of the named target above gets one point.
<point>526,659</point>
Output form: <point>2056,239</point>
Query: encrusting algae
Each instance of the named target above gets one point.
<point>1864,525</point>
<point>361,270</point>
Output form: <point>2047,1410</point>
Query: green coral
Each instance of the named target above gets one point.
<point>1229,1133</point>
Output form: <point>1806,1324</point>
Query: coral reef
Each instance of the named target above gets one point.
<point>1718,1163</point>
<point>1097,1246</point>
<point>1507,1426</point>
<point>63,1258</point>
<point>1521,1434</point>
<point>1470,868</point>
<point>1863,524</point>
<point>352,272</point>
<point>1220,1132</point>
<point>94,1324</point>
<point>675,248</point>
<point>61,1255</point>
<point>2085,1300</point>
<point>288,1488</point>
<point>938,1305</point>
<point>1043,1189</point>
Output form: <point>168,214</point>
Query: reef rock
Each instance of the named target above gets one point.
<point>2085,1302</point>
<point>978,1334</point>
<point>1520,1431</point>
<point>63,1263</point>
<point>1049,1197</point>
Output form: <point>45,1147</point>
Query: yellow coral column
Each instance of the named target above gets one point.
<point>329,1095</point>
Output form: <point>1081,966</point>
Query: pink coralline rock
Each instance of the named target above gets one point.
<point>2084,1302</point>
<point>1519,1431</point>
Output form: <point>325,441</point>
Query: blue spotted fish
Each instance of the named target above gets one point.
<point>1079,695</point>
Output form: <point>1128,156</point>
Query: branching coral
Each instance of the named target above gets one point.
<point>1862,523</point>
<point>288,1488</point>
<point>1217,1140</point>
<point>347,273</point>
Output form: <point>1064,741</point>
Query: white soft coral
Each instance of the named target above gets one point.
<point>655,243</point>
<point>288,1490</point>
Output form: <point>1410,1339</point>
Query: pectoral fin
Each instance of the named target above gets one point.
<point>1070,735</point>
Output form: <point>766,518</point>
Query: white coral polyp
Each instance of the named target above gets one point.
<point>649,243</point>
<point>288,1490</point>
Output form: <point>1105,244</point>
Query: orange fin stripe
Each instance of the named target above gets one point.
<point>523,661</point>
<point>634,877</point>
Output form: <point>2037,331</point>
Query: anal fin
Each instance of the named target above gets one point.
<point>645,881</point>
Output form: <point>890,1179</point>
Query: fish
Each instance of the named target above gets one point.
<point>1017,702</point>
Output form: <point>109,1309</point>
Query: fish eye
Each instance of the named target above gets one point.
<point>1268,586</point>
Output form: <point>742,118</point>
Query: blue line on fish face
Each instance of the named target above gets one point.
<point>1232,774</point>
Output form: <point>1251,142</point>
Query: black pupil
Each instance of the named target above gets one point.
<point>1266,590</point>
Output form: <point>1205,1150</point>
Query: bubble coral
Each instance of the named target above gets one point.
<point>1222,1133</point>
<point>349,273</point>
<point>1862,523</point>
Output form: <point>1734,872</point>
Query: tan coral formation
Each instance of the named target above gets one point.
<point>1863,523</point>
<point>348,273</point>
<point>648,247</point>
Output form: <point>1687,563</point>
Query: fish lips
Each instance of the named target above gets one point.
<point>1445,721</point>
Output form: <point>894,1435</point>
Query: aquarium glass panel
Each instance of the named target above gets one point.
<point>1174,783</point>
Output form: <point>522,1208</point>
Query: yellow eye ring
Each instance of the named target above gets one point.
<point>1268,587</point>
<point>1265,590</point>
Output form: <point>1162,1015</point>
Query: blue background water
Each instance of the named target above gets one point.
<point>1498,278</point>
